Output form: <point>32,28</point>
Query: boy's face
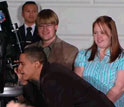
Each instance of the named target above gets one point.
<point>47,31</point>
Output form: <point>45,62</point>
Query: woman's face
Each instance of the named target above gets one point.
<point>101,38</point>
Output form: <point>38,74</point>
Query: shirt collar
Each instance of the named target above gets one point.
<point>33,28</point>
<point>48,49</point>
<point>51,45</point>
<point>107,51</point>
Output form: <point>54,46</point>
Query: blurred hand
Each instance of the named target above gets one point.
<point>13,104</point>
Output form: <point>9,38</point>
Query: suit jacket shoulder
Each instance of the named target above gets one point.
<point>21,33</point>
<point>38,44</point>
<point>65,45</point>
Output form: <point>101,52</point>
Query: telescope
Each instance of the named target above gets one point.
<point>10,49</point>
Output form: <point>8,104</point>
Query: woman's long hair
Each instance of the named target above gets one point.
<point>115,48</point>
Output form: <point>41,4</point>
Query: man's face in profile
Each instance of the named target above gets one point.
<point>26,67</point>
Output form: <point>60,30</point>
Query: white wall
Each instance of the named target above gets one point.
<point>76,17</point>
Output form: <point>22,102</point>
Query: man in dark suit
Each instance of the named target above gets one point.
<point>28,31</point>
<point>59,87</point>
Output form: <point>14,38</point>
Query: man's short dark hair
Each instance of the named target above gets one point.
<point>35,53</point>
<point>28,2</point>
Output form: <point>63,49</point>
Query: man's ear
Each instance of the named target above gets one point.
<point>37,64</point>
<point>56,27</point>
<point>22,14</point>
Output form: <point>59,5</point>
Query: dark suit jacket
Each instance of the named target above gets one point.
<point>60,87</point>
<point>22,36</point>
<point>63,88</point>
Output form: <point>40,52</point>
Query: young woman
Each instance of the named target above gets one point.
<point>102,64</point>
